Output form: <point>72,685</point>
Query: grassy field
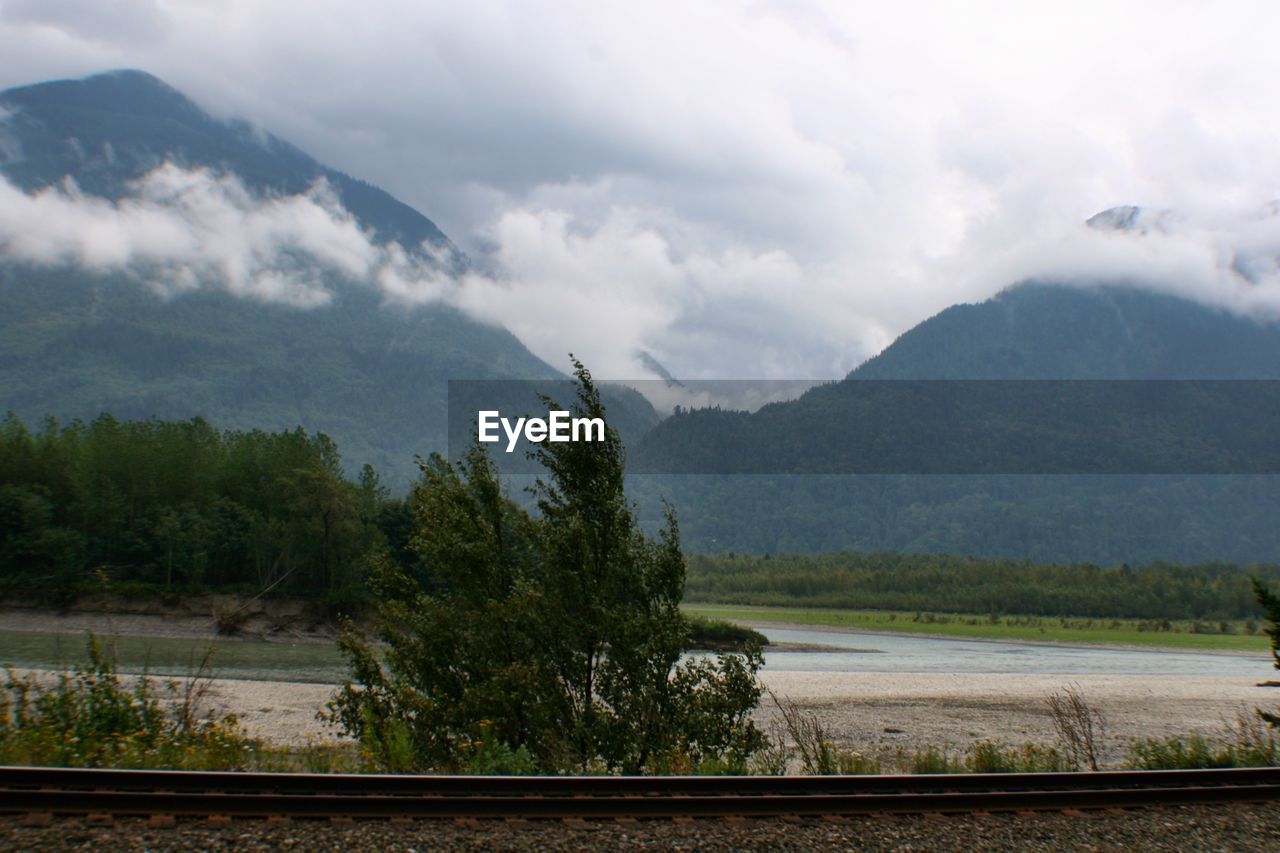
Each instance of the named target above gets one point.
<point>1128,632</point>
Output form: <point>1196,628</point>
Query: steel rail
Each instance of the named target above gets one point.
<point>403,784</point>
<point>124,792</point>
<point>376,806</point>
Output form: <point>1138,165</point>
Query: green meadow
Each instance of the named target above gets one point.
<point>1188,635</point>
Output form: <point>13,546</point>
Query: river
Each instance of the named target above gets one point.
<point>859,652</point>
<point>868,652</point>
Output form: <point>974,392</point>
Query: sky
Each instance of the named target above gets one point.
<point>741,189</point>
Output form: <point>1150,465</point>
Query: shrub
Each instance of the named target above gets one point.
<point>930,759</point>
<point>856,764</point>
<point>91,718</point>
<point>987,756</point>
<point>1247,742</point>
<point>553,641</point>
<point>722,635</point>
<point>818,755</point>
<point>1081,728</point>
<point>1178,752</point>
<point>1270,603</point>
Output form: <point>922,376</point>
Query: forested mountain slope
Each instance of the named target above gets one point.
<point>1033,331</point>
<point>79,338</point>
<point>1041,331</point>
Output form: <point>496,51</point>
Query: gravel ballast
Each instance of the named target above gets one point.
<point>1180,828</point>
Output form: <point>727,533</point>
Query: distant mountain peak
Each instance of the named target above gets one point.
<point>108,130</point>
<point>127,88</point>
<point>122,76</point>
<point>129,74</point>
<point>1132,219</point>
<point>110,77</point>
<point>1043,330</point>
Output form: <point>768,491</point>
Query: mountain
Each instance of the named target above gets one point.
<point>110,129</point>
<point>1040,341</point>
<point>1035,331</point>
<point>1042,331</point>
<point>138,341</point>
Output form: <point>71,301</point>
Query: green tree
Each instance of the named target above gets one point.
<point>549,641</point>
<point>1271,605</point>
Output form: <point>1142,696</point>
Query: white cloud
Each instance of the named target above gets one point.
<point>1226,258</point>
<point>615,287</point>
<point>123,23</point>
<point>182,229</point>
<point>743,189</point>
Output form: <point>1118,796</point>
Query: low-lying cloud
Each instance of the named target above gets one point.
<point>740,189</point>
<point>620,287</point>
<point>617,287</point>
<point>179,230</point>
<point>1224,258</point>
<point>607,293</point>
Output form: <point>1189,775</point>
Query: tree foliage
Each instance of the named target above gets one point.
<point>955,584</point>
<point>1271,605</point>
<point>182,506</point>
<point>549,641</point>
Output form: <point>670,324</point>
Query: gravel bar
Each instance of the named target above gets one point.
<point>1175,828</point>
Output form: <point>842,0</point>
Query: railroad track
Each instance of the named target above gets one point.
<point>38,790</point>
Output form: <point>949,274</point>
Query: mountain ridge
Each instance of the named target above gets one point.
<point>77,341</point>
<point>79,124</point>
<point>1037,331</point>
<point>1042,330</point>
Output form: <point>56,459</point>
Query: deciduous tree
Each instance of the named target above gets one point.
<point>550,641</point>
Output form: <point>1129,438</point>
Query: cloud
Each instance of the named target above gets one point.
<point>1227,259</point>
<point>742,189</point>
<point>619,286</point>
<point>180,229</point>
<point>613,288</point>
<point>123,23</point>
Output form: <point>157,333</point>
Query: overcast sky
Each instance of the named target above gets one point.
<point>745,189</point>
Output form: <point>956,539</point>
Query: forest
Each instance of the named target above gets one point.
<point>950,584</point>
<point>180,506</point>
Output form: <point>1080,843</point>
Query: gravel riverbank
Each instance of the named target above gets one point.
<point>867,711</point>
<point>858,708</point>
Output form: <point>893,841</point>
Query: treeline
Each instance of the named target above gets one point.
<point>184,506</point>
<point>980,427</point>
<point>1061,519</point>
<point>885,581</point>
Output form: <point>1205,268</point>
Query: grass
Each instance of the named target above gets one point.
<point>173,656</point>
<point>1249,743</point>
<point>1124,632</point>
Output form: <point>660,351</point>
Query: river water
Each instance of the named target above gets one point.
<point>906,653</point>
<point>859,652</point>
